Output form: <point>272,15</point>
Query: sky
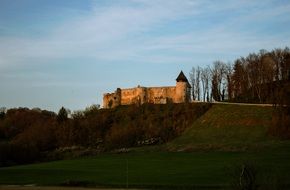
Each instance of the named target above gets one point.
<point>56,53</point>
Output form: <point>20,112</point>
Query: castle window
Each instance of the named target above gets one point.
<point>115,98</point>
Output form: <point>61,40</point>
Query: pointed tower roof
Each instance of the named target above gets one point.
<point>181,77</point>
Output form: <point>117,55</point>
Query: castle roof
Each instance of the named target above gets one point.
<point>181,77</point>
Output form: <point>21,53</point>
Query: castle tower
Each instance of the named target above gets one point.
<point>182,92</point>
<point>117,97</point>
<point>112,100</point>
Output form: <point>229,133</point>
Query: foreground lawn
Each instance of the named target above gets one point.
<point>156,169</point>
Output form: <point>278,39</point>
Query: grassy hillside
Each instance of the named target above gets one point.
<point>228,127</point>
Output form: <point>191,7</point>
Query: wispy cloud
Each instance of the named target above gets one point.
<point>94,33</point>
<point>116,31</point>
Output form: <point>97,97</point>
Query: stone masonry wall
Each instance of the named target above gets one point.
<point>140,95</point>
<point>161,95</point>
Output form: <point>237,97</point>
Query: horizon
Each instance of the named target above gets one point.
<point>69,53</point>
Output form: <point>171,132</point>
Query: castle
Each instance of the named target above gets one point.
<point>156,95</point>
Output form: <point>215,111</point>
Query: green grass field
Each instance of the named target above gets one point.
<point>207,155</point>
<point>155,169</point>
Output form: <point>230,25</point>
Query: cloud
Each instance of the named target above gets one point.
<point>124,31</point>
<point>94,33</point>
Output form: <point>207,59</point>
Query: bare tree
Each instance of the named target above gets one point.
<point>207,85</point>
<point>205,77</point>
<point>228,75</point>
<point>282,66</point>
<point>218,86</point>
<point>197,82</point>
<point>192,82</point>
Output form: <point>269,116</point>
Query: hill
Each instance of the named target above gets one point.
<point>228,127</point>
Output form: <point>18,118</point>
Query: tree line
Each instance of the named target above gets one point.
<point>256,78</point>
<point>28,135</point>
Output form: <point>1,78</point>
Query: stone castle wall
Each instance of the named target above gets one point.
<point>141,95</point>
<point>161,95</point>
<point>156,95</point>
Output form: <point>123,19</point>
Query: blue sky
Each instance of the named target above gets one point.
<point>68,53</point>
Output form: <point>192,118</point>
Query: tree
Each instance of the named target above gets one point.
<point>240,79</point>
<point>229,73</point>
<point>2,112</point>
<point>78,114</point>
<point>62,115</point>
<point>282,65</point>
<point>268,78</point>
<point>192,82</point>
<point>207,85</point>
<point>218,84</point>
<point>205,77</point>
<point>93,109</point>
<point>214,85</point>
<point>197,83</point>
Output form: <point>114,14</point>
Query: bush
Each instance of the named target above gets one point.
<point>11,154</point>
<point>281,115</point>
<point>281,123</point>
<point>130,125</point>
